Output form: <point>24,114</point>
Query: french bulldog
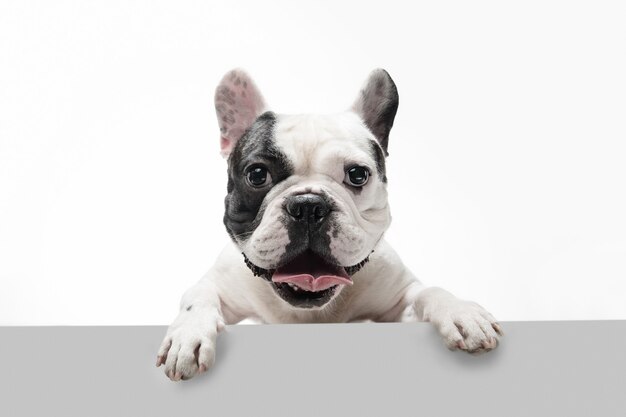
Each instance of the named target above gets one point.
<point>306,209</point>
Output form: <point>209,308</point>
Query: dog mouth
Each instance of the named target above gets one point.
<point>308,280</point>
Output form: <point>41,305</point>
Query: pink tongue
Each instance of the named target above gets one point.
<point>311,273</point>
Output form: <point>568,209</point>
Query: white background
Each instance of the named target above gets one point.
<point>507,168</point>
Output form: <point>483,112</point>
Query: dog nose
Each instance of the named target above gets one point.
<point>310,208</point>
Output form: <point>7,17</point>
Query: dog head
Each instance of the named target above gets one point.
<point>306,198</point>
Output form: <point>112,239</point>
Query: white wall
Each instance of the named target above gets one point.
<point>507,157</point>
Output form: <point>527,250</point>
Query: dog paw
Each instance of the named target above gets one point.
<point>464,325</point>
<point>186,351</point>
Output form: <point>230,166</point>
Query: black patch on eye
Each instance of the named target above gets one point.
<point>244,205</point>
<point>379,157</point>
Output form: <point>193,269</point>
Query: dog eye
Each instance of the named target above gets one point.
<point>356,176</point>
<point>258,176</point>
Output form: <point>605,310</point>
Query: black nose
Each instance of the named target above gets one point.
<point>310,208</point>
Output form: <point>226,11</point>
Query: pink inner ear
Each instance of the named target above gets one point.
<point>238,103</point>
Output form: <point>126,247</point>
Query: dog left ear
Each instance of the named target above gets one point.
<point>238,102</point>
<point>377,105</point>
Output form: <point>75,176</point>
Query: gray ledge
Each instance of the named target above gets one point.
<point>540,369</point>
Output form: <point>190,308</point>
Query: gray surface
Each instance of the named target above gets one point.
<point>540,369</point>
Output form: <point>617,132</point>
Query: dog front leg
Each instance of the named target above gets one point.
<point>464,325</point>
<point>189,345</point>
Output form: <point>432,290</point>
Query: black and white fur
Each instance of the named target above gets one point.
<point>308,155</point>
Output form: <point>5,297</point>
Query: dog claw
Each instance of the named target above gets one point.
<point>498,328</point>
<point>202,368</point>
<point>461,345</point>
<point>489,344</point>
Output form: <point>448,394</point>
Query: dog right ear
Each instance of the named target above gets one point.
<point>238,102</point>
<point>377,104</point>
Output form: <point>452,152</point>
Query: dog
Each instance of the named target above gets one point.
<point>306,209</point>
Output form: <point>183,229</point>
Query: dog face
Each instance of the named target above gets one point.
<point>306,197</point>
